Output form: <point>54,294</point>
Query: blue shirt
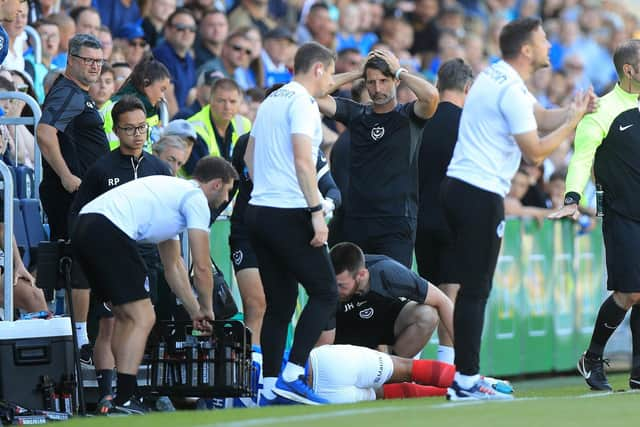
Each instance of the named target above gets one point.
<point>114,14</point>
<point>4,44</point>
<point>183,71</point>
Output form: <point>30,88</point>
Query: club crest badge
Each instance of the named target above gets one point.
<point>377,133</point>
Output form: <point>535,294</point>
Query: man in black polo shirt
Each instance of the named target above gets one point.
<point>384,302</point>
<point>382,198</point>
<point>122,165</point>
<point>71,138</point>
<point>433,241</point>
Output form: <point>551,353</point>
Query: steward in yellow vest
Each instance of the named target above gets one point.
<point>218,124</point>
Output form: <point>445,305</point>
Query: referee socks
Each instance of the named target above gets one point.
<point>609,317</point>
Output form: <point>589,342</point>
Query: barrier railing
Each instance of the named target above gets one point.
<point>7,241</point>
<point>28,121</point>
<point>36,42</point>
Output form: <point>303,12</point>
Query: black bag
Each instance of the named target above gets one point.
<point>224,306</point>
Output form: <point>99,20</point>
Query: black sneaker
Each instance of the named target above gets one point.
<point>86,354</point>
<point>634,380</point>
<point>130,407</point>
<point>592,369</point>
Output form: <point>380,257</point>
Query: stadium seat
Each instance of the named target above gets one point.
<point>33,224</point>
<point>24,182</point>
<point>20,232</point>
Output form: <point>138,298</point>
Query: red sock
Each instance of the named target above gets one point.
<point>410,390</point>
<point>431,372</point>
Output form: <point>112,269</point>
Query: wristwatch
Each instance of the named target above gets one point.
<point>315,208</point>
<point>571,198</point>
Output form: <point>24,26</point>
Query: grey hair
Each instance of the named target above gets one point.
<point>454,74</point>
<point>168,141</point>
<point>79,41</point>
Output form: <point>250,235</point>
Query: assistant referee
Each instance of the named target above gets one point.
<point>612,135</point>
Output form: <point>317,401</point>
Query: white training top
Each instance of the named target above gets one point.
<point>498,106</point>
<point>287,111</point>
<point>154,208</point>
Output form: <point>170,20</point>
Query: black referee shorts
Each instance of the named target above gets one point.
<point>110,260</point>
<point>622,248</point>
<point>476,220</point>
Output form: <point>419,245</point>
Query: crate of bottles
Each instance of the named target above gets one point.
<point>184,362</point>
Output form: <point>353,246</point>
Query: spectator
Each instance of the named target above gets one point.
<point>8,13</point>
<point>253,99</point>
<point>252,13</point>
<point>423,21</point>
<point>149,81</point>
<point>513,200</point>
<point>256,68</point>
<point>71,138</point>
<point>102,90</point>
<point>17,38</point>
<point>87,20</point>
<point>351,34</point>
<point>67,29</point>
<point>23,135</point>
<point>556,189</point>
<point>134,45</point>
<point>186,132</point>
<point>316,21</point>
<point>274,56</point>
<point>203,93</point>
<point>218,124</point>
<point>172,150</point>
<point>121,72</point>
<point>50,79</point>
<point>105,37</point>
<point>50,36</point>
<point>116,13</point>
<point>213,31</point>
<point>234,60</point>
<point>156,19</point>
<point>174,53</point>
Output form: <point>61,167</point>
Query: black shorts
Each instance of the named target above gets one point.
<point>476,220</point>
<point>622,248</point>
<point>369,324</point>
<point>110,259</point>
<point>242,253</point>
<point>56,203</point>
<point>390,236</point>
<point>435,256</point>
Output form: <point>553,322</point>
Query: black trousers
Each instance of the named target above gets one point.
<point>476,220</point>
<point>280,238</point>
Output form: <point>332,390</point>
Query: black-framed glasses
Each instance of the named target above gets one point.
<point>240,49</point>
<point>90,61</point>
<point>184,27</point>
<point>135,130</point>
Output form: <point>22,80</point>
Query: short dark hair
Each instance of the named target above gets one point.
<point>454,75</point>
<point>79,10</point>
<point>347,50</point>
<point>310,53</point>
<point>180,11</point>
<point>126,104</point>
<point>515,34</point>
<point>347,256</point>
<point>318,5</point>
<point>627,53</point>
<point>106,68</point>
<point>79,41</point>
<point>226,84</point>
<point>146,72</point>
<point>379,64</point>
<point>212,11</point>
<point>213,167</point>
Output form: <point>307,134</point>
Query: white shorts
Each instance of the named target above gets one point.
<point>347,373</point>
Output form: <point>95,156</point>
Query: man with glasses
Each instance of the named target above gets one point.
<point>71,138</point>
<point>234,59</point>
<point>174,52</point>
<point>122,165</point>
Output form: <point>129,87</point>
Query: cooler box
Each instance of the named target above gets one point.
<point>32,351</point>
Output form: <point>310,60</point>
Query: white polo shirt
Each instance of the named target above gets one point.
<point>287,111</point>
<point>154,208</point>
<point>498,106</point>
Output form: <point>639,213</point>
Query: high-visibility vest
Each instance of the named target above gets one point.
<point>201,121</point>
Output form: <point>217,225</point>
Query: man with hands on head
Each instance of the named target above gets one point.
<point>381,213</point>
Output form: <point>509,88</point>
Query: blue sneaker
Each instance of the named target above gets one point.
<point>484,389</point>
<point>275,401</point>
<point>297,391</point>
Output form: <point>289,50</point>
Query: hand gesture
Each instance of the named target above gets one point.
<point>71,183</point>
<point>594,101</point>
<point>389,58</point>
<point>320,229</point>
<point>570,211</point>
<point>580,106</point>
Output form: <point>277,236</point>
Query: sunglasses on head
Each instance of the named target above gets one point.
<point>240,49</point>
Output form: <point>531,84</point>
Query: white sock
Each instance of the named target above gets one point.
<point>292,371</point>
<point>269,384</point>
<point>81,333</point>
<point>466,381</point>
<point>446,354</point>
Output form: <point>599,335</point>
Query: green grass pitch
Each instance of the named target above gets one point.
<point>561,401</point>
